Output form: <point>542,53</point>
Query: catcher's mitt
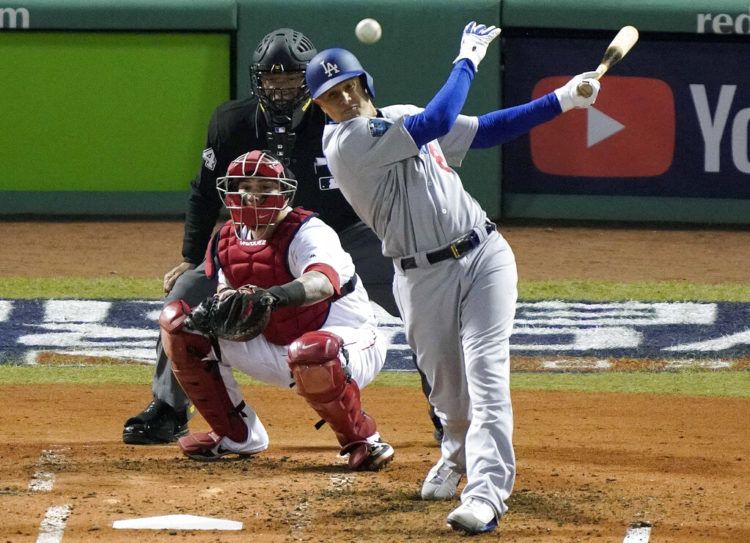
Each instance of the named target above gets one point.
<point>239,316</point>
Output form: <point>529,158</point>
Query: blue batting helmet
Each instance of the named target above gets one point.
<point>332,66</point>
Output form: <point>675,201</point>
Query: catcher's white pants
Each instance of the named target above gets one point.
<point>266,362</point>
<point>458,317</point>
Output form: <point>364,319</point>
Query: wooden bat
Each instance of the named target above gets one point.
<point>620,45</point>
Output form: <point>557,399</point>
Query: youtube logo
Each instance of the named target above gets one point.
<point>628,132</point>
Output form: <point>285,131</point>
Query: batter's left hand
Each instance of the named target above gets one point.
<point>474,42</point>
<point>568,95</point>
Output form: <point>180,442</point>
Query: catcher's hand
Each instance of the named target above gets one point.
<point>238,316</point>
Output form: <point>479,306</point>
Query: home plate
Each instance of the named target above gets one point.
<point>176,522</point>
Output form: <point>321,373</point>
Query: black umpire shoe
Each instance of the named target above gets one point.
<point>158,423</point>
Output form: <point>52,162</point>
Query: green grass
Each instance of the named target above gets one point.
<point>657,291</point>
<point>151,289</point>
<point>86,288</point>
<point>686,382</point>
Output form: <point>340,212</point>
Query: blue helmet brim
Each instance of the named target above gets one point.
<point>343,77</point>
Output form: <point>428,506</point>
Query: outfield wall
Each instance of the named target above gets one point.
<point>667,139</point>
<point>117,96</point>
<point>108,103</point>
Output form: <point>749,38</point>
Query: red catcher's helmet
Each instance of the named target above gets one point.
<point>252,201</point>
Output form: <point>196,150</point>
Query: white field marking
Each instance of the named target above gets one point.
<point>383,317</point>
<point>53,525</point>
<point>30,358</point>
<point>153,315</point>
<point>342,482</point>
<point>176,522</point>
<point>703,364</point>
<point>5,307</point>
<point>142,355</point>
<point>583,338</point>
<point>604,364</point>
<point>87,330</point>
<point>299,519</point>
<point>557,313</point>
<point>576,365</point>
<point>718,344</point>
<point>637,534</point>
<point>78,338</point>
<point>43,480</point>
<point>76,310</point>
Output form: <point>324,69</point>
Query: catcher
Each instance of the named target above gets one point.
<point>289,311</point>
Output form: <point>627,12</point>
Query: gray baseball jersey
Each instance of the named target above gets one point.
<point>458,313</point>
<point>410,197</point>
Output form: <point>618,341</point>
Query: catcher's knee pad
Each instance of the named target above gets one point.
<point>199,376</point>
<point>315,361</point>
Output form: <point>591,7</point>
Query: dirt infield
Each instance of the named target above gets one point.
<point>589,465</point>
<point>149,249</point>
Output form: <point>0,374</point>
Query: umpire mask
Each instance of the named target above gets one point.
<point>255,190</point>
<point>277,75</point>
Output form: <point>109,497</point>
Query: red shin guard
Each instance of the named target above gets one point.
<point>321,380</point>
<point>199,377</point>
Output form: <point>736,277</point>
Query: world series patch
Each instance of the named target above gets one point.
<point>378,127</point>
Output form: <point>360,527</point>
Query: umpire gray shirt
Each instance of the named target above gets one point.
<point>409,196</point>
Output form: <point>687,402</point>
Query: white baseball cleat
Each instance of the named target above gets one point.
<point>209,447</point>
<point>441,482</point>
<point>368,455</point>
<point>474,516</point>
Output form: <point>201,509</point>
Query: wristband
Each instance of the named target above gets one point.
<point>293,293</point>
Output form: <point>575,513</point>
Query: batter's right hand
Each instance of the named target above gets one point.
<point>474,42</point>
<point>172,275</point>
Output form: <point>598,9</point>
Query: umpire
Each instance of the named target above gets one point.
<point>280,116</point>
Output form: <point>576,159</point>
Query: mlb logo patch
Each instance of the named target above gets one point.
<point>378,127</point>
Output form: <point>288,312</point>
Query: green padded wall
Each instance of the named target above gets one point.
<point>110,113</point>
<point>120,14</point>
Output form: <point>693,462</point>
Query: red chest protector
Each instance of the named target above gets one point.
<point>263,263</point>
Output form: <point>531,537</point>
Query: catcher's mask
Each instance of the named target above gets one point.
<point>255,190</point>
<point>277,75</point>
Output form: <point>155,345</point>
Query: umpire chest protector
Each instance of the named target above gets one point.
<point>263,263</point>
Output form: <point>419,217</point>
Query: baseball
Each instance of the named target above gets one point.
<point>368,31</point>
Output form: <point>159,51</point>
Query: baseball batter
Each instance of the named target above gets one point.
<point>290,311</point>
<point>455,280</point>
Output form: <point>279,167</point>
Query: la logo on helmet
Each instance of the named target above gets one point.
<point>330,68</point>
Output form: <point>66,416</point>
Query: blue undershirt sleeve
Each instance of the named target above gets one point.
<point>504,125</point>
<point>439,115</point>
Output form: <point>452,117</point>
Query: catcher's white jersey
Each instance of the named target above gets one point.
<point>351,317</point>
<point>317,243</point>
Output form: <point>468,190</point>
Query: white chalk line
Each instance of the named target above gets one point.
<point>43,479</point>
<point>53,525</point>
<point>639,533</point>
